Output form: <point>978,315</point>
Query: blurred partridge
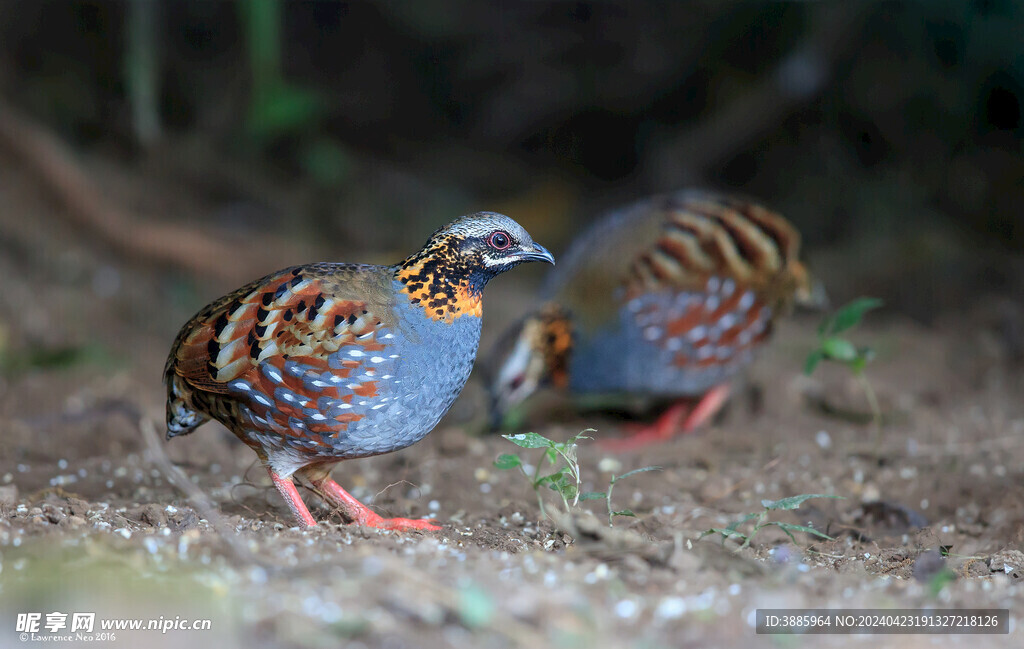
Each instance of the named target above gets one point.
<point>668,298</point>
<point>327,362</point>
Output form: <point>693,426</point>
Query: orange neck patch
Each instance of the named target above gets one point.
<point>432,287</point>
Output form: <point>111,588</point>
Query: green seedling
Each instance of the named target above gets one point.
<point>607,496</point>
<point>562,473</point>
<point>834,347</point>
<point>564,477</point>
<point>761,521</point>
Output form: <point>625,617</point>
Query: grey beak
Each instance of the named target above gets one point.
<point>539,253</point>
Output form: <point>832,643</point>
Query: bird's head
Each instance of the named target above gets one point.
<point>448,274</point>
<point>484,243</point>
<point>531,355</point>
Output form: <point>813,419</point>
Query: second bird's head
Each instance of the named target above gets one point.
<point>533,354</point>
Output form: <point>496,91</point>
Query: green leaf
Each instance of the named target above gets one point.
<point>839,349</point>
<point>558,478</point>
<point>788,533</point>
<point>747,517</point>
<point>624,512</point>
<point>593,495</point>
<point>530,440</point>
<point>812,361</point>
<point>726,533</point>
<point>793,502</point>
<point>616,478</point>
<point>580,435</point>
<point>508,461</point>
<point>851,314</point>
<point>789,527</point>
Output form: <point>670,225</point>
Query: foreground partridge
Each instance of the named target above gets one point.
<point>666,298</point>
<point>327,362</point>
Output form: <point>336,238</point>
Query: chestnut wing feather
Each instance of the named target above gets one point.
<point>294,313</point>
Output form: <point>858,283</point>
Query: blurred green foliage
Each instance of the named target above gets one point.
<point>277,108</point>
<point>64,357</point>
<point>406,109</point>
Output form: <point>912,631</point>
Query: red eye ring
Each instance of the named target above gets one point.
<point>499,240</point>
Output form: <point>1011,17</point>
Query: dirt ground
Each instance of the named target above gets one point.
<point>930,515</point>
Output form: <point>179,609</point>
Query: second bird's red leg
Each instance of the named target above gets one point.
<point>358,513</point>
<point>666,425</point>
<point>709,405</point>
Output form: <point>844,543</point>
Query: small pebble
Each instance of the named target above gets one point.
<point>671,608</point>
<point>609,465</point>
<point>626,608</point>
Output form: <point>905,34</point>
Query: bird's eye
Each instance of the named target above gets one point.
<point>499,240</point>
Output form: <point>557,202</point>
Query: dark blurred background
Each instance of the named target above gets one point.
<point>157,154</point>
<point>224,139</point>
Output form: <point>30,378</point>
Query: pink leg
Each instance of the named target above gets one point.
<point>709,405</point>
<point>291,496</point>
<point>358,513</point>
<point>668,422</point>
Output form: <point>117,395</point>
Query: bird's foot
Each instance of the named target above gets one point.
<point>397,524</point>
<point>359,514</point>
